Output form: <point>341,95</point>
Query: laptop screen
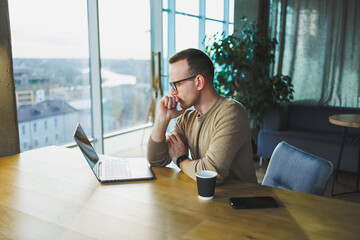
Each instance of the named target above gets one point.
<point>85,146</point>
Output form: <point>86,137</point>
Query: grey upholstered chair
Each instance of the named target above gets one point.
<point>293,169</point>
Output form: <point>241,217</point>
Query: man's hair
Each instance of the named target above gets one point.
<point>198,61</point>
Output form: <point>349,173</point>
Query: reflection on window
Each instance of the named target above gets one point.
<point>50,58</point>
<point>125,61</point>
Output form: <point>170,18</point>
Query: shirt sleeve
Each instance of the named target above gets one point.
<point>158,153</point>
<point>231,132</point>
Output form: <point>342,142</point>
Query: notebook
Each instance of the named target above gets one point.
<point>112,169</point>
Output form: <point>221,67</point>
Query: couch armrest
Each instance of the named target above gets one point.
<point>277,120</point>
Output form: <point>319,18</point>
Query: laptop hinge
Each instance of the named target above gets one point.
<point>99,169</point>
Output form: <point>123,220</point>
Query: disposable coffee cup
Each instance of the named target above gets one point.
<point>206,184</point>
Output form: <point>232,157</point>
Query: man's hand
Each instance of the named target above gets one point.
<point>176,146</point>
<point>167,109</point>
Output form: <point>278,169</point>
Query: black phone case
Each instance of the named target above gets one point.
<point>253,202</point>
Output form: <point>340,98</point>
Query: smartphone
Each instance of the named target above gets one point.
<point>253,202</point>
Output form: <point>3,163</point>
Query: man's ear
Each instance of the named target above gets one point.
<point>200,82</point>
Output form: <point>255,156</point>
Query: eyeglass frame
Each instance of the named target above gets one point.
<point>173,84</point>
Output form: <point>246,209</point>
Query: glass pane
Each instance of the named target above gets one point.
<point>212,27</point>
<point>125,62</point>
<point>231,29</point>
<point>231,11</point>
<point>215,9</point>
<point>165,4</point>
<point>187,32</point>
<point>188,6</point>
<point>51,61</point>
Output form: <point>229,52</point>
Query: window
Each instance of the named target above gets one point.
<point>50,61</point>
<point>125,62</point>
<point>187,32</point>
<point>187,22</point>
<point>215,9</point>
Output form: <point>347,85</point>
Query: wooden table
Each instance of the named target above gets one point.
<point>51,193</point>
<point>346,121</point>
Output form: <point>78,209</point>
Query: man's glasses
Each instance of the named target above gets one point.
<point>173,84</point>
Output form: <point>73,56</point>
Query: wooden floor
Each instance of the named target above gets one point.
<point>347,181</point>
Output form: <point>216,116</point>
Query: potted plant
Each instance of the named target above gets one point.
<point>242,71</point>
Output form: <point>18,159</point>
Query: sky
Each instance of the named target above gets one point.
<point>58,29</point>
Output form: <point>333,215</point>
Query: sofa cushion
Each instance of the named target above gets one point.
<point>316,117</point>
<point>320,143</point>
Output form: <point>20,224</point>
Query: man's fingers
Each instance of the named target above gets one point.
<point>177,137</point>
<point>164,101</point>
<point>171,103</point>
<point>169,139</point>
<point>172,138</point>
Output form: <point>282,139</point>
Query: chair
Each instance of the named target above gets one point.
<point>293,169</point>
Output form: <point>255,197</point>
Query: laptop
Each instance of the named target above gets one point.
<point>112,169</point>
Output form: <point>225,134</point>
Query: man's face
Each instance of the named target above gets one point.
<point>186,92</point>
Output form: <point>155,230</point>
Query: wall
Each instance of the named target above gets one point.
<point>245,8</point>
<point>9,137</point>
<point>253,10</point>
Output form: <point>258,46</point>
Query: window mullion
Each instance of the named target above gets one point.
<point>226,17</point>
<point>171,28</point>
<point>156,26</point>
<point>202,12</point>
<point>95,76</point>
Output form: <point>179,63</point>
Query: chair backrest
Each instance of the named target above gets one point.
<point>293,169</point>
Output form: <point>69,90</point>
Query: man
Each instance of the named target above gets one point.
<point>217,131</point>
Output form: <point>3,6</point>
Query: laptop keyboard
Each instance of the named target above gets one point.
<point>116,168</point>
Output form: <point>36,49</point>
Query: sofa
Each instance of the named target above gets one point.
<point>307,126</point>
